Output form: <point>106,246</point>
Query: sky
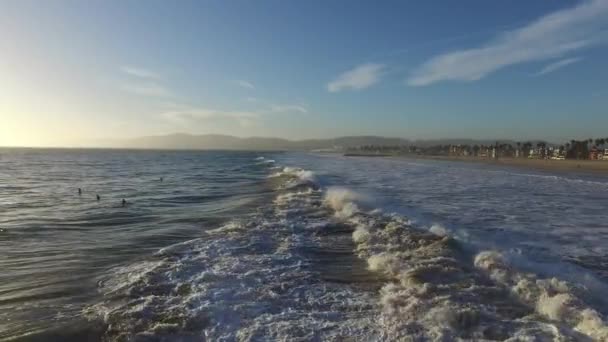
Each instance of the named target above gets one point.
<point>87,73</point>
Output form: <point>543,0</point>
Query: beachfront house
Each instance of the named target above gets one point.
<point>594,153</point>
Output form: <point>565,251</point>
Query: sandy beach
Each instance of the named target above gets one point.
<point>569,165</point>
<point>592,166</point>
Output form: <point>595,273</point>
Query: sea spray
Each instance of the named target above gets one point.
<point>342,201</point>
<point>438,230</point>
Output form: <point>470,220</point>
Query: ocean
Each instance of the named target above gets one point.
<point>278,246</point>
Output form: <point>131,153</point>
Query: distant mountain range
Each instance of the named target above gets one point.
<point>181,141</point>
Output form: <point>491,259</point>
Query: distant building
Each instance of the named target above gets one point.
<point>594,153</point>
<point>557,154</point>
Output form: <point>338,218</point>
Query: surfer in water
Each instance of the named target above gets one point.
<point>98,198</point>
<point>79,191</point>
<point>124,202</point>
<point>161,179</point>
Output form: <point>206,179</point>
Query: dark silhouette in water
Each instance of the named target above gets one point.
<point>79,191</point>
<point>161,179</point>
<point>98,198</point>
<point>124,202</point>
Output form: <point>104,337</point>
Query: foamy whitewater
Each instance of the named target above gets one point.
<point>357,249</point>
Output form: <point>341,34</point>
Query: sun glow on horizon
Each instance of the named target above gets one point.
<point>77,74</point>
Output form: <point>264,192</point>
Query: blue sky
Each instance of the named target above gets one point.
<point>85,72</point>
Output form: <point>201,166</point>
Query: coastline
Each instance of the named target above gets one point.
<point>568,165</point>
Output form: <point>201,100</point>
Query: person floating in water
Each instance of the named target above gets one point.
<point>124,202</point>
<point>98,198</point>
<point>161,179</point>
<point>79,191</point>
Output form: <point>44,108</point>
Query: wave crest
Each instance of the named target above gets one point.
<point>342,201</point>
<point>554,299</point>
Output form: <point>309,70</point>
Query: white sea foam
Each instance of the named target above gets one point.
<point>342,201</point>
<point>246,280</point>
<point>555,299</point>
<point>438,291</point>
<point>361,234</point>
<point>292,177</point>
<point>438,230</point>
<point>266,161</point>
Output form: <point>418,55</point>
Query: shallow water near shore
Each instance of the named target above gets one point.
<point>240,246</point>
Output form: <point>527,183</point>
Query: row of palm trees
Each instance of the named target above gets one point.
<point>579,149</point>
<point>574,149</point>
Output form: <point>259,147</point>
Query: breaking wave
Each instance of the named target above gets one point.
<point>438,292</point>
<point>263,160</point>
<point>321,263</point>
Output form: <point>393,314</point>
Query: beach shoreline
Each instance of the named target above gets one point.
<point>568,165</point>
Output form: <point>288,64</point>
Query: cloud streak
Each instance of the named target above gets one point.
<point>361,77</point>
<point>551,36</point>
<point>144,82</point>
<point>558,65</point>
<point>244,84</point>
<point>147,89</point>
<point>189,116</point>
<point>194,116</point>
<point>140,72</point>
<point>277,108</point>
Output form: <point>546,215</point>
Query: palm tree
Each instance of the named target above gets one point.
<point>518,147</point>
<point>580,149</point>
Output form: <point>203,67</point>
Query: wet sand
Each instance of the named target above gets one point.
<point>593,166</point>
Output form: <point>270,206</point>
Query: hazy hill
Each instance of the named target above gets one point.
<point>227,142</point>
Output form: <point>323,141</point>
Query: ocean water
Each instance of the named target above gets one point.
<point>245,246</point>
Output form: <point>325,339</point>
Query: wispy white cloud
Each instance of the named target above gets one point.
<point>140,72</point>
<point>558,65</point>
<point>244,84</point>
<point>277,108</point>
<point>551,36</point>
<point>360,77</point>
<point>147,89</point>
<point>195,116</point>
<point>144,82</point>
<point>268,106</point>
